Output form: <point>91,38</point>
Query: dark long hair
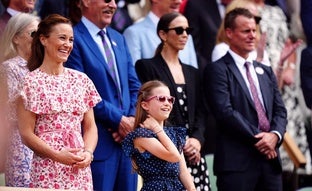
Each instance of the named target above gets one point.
<point>163,25</point>
<point>44,29</point>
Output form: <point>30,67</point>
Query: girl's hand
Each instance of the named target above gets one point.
<point>151,124</point>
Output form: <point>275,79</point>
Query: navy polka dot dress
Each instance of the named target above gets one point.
<point>157,174</point>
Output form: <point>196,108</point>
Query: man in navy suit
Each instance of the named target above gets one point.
<point>246,157</point>
<point>111,169</point>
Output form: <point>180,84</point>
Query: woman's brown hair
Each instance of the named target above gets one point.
<point>44,29</point>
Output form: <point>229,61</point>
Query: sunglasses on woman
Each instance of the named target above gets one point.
<point>180,30</point>
<point>162,99</point>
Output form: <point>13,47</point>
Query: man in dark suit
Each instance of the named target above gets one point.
<point>12,8</point>
<point>250,114</point>
<point>115,79</point>
<point>205,14</point>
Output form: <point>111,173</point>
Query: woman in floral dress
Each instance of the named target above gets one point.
<point>55,112</point>
<point>16,47</point>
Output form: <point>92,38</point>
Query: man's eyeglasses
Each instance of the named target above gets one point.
<point>162,99</point>
<point>180,30</point>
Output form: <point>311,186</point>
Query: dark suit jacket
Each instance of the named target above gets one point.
<point>204,17</point>
<point>157,69</point>
<point>5,17</point>
<point>234,109</point>
<point>87,57</point>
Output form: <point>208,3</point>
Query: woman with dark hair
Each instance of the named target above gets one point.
<point>156,149</point>
<point>184,84</point>
<point>54,108</point>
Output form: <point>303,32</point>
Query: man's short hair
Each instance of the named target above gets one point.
<point>230,17</point>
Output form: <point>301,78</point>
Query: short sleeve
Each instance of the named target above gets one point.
<point>47,94</point>
<point>127,144</point>
<point>177,135</point>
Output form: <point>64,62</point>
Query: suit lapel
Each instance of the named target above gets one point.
<point>88,41</point>
<point>232,66</point>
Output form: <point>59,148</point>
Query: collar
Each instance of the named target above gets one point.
<point>153,17</point>
<point>240,61</point>
<point>91,27</point>
<point>12,12</point>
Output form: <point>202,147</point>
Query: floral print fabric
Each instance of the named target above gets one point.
<point>18,162</point>
<point>60,102</point>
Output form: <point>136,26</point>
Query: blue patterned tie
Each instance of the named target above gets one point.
<point>263,121</point>
<point>109,56</point>
<point>111,65</point>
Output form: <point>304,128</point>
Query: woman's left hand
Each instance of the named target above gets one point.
<point>192,150</point>
<point>87,159</point>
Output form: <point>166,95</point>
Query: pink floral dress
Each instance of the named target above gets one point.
<point>60,103</point>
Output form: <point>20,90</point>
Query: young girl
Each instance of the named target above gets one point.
<point>156,150</point>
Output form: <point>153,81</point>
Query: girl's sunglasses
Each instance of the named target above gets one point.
<point>180,30</point>
<point>162,99</point>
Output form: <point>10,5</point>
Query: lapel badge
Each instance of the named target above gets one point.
<point>259,70</point>
<point>114,43</point>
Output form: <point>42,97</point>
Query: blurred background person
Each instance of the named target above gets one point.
<point>208,15</point>
<point>12,7</point>
<point>184,84</point>
<point>274,24</point>
<point>55,111</point>
<point>4,127</point>
<point>16,49</point>
<point>306,64</point>
<point>122,19</point>
<point>1,8</point>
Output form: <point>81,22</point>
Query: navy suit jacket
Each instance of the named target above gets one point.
<point>234,109</point>
<point>87,57</point>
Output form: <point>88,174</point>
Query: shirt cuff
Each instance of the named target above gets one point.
<point>279,136</point>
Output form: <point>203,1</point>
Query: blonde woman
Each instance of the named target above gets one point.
<point>16,49</point>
